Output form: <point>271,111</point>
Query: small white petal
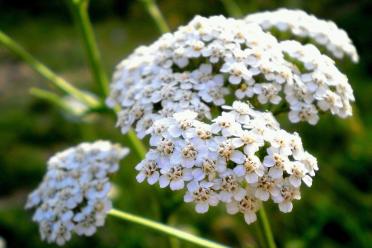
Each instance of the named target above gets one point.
<point>286,206</point>
<point>232,208</point>
<point>251,178</point>
<point>201,208</point>
<point>239,170</point>
<point>163,181</point>
<point>153,178</point>
<point>250,217</point>
<point>275,172</point>
<point>237,157</point>
<point>307,180</point>
<point>295,181</point>
<point>262,195</point>
<point>177,185</point>
<point>141,177</point>
<point>188,197</point>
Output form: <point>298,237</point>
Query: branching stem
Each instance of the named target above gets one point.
<point>45,72</point>
<point>165,229</point>
<point>79,10</point>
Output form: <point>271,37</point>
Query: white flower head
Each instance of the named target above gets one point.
<point>73,196</point>
<point>323,33</point>
<point>202,64</point>
<point>239,159</point>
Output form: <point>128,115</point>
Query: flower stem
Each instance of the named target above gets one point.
<point>165,229</point>
<point>155,13</point>
<point>137,144</point>
<point>265,227</point>
<point>232,8</point>
<point>79,9</point>
<point>45,72</point>
<point>50,97</point>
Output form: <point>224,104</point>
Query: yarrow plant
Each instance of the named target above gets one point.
<point>205,96</point>
<point>73,196</point>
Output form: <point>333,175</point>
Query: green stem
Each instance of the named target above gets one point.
<point>137,144</point>
<point>259,235</point>
<point>265,227</point>
<point>45,72</point>
<point>232,8</point>
<point>79,9</point>
<point>50,97</point>
<point>155,13</point>
<point>165,229</point>
<point>61,102</point>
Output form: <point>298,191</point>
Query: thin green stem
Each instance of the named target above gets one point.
<point>137,144</point>
<point>45,72</point>
<point>165,229</point>
<point>174,243</point>
<point>265,227</point>
<point>259,235</point>
<point>79,9</point>
<point>61,102</point>
<point>232,8</point>
<point>155,13</point>
<point>50,97</point>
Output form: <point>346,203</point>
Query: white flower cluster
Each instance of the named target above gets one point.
<point>302,25</point>
<point>199,65</point>
<point>73,196</point>
<point>240,159</point>
<point>317,85</point>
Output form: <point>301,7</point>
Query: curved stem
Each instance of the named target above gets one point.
<point>265,227</point>
<point>232,8</point>
<point>155,13</point>
<point>45,72</point>
<point>137,144</point>
<point>50,97</point>
<point>165,229</point>
<point>79,9</point>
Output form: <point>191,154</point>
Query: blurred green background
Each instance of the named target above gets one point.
<point>335,212</point>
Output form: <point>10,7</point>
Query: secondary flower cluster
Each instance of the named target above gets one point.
<point>302,25</point>
<point>73,196</point>
<point>317,85</point>
<point>208,60</point>
<point>240,159</point>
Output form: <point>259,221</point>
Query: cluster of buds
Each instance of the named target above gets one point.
<point>207,61</point>
<point>240,159</point>
<point>73,196</point>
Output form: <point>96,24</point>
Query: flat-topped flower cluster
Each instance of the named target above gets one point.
<point>302,25</point>
<point>73,196</point>
<point>240,159</point>
<point>210,60</point>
